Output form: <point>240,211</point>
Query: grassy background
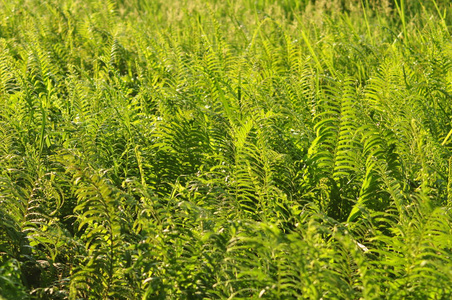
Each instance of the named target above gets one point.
<point>195,149</point>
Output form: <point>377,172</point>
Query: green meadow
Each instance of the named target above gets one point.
<point>221,149</point>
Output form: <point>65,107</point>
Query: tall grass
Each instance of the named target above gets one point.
<point>245,149</point>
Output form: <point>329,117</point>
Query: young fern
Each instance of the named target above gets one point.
<point>101,216</point>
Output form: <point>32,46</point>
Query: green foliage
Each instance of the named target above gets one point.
<point>213,149</point>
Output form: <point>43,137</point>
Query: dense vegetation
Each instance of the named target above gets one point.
<point>195,149</point>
